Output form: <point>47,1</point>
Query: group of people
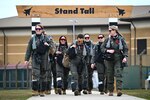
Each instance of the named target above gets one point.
<point>107,57</point>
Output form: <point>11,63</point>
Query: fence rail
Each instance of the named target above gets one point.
<point>15,76</point>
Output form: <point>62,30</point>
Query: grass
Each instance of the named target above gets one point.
<point>25,94</point>
<point>139,93</point>
<point>15,94</point>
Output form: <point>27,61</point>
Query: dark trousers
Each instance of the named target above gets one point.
<point>53,69</point>
<point>102,84</point>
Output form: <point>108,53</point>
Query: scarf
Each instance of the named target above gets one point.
<point>109,43</point>
<point>34,40</point>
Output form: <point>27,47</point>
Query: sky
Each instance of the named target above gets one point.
<point>8,7</point>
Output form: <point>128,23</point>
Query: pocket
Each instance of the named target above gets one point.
<point>109,56</point>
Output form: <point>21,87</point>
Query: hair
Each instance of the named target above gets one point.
<point>87,34</point>
<point>39,26</point>
<point>101,34</point>
<point>80,36</point>
<point>66,44</point>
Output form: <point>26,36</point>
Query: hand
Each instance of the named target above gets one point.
<point>26,62</point>
<point>92,66</point>
<point>73,46</point>
<point>45,43</point>
<point>124,60</point>
<point>111,51</point>
<point>58,52</point>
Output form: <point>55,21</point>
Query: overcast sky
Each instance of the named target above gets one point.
<point>8,7</point>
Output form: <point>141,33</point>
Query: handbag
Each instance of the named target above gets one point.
<point>65,61</point>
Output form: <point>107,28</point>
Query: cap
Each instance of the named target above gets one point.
<point>113,27</point>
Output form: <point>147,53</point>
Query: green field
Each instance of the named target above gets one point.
<point>24,94</point>
<point>139,93</point>
<point>15,94</point>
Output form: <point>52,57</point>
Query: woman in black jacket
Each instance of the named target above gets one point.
<point>62,72</point>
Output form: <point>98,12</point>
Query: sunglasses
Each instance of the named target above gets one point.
<point>111,30</point>
<point>38,29</point>
<point>63,39</point>
<point>87,37</point>
<point>100,37</point>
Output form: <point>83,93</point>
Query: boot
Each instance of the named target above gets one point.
<point>101,93</point>
<point>42,94</point>
<point>59,90</point>
<point>56,92</point>
<point>85,92</point>
<point>119,93</point>
<point>35,93</point>
<point>64,92</point>
<point>47,92</point>
<point>110,94</point>
<point>89,92</point>
<point>76,93</point>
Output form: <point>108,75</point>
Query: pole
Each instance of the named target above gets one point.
<point>134,43</point>
<point>73,36</point>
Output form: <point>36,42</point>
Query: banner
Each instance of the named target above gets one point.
<point>30,11</point>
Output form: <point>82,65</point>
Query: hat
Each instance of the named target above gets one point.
<point>113,27</point>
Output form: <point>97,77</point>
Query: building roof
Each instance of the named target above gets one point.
<point>12,22</point>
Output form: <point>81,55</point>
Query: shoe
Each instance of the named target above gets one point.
<point>76,92</point>
<point>64,92</point>
<point>89,92</point>
<point>47,92</point>
<point>85,92</point>
<point>56,92</point>
<point>101,93</point>
<point>79,93</point>
<point>35,93</point>
<point>119,93</point>
<point>42,94</point>
<point>110,94</point>
<point>59,90</point>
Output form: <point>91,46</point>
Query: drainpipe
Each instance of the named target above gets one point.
<point>4,46</point>
<point>134,43</point>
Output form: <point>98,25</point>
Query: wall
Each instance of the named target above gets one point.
<point>17,40</point>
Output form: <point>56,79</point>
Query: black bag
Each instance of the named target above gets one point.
<point>71,53</point>
<point>59,59</point>
<point>41,48</point>
<point>109,56</point>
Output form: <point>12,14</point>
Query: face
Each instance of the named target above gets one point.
<point>87,38</point>
<point>63,40</point>
<point>80,40</point>
<point>100,38</point>
<point>38,30</point>
<point>112,32</point>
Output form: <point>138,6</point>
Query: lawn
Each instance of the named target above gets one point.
<point>139,93</point>
<point>15,94</point>
<point>24,94</point>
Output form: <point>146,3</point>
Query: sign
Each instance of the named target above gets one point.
<point>30,11</point>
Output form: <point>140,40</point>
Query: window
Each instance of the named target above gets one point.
<point>141,46</point>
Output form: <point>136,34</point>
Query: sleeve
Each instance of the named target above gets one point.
<point>29,50</point>
<point>125,48</point>
<point>93,56</point>
<point>103,46</point>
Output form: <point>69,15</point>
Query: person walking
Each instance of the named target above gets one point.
<point>52,57</point>
<point>62,72</point>
<point>89,45</point>
<point>98,64</point>
<point>38,48</point>
<point>77,52</point>
<point>116,53</point>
